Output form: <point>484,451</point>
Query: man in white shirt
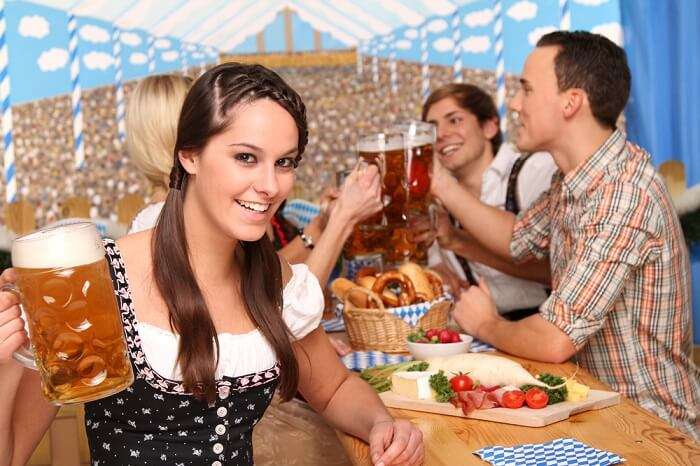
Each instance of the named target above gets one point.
<point>469,144</point>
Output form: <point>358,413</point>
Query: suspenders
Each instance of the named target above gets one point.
<point>512,205</point>
<point>512,202</point>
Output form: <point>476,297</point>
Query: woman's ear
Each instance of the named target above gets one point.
<point>188,160</point>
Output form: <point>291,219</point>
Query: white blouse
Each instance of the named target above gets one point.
<point>245,353</point>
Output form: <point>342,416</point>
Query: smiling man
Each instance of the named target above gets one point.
<point>620,276</point>
<point>470,145</point>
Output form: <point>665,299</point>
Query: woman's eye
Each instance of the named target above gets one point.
<point>245,158</point>
<point>287,162</point>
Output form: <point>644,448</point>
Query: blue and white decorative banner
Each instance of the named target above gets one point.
<point>457,41</point>
<point>394,75</point>
<point>118,84</point>
<point>151,54</point>
<point>565,15</point>
<point>375,64</point>
<point>425,67</point>
<point>360,58</point>
<point>79,145</point>
<point>9,155</point>
<point>500,64</point>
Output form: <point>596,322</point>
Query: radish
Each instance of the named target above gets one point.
<point>487,369</point>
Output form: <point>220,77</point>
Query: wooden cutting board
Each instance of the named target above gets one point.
<point>524,416</point>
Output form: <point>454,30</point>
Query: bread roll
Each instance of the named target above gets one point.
<point>420,281</point>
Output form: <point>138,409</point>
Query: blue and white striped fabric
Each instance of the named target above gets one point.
<point>559,452</point>
<point>151,53</point>
<point>118,84</point>
<point>564,15</point>
<point>359,360</point>
<point>9,154</point>
<point>412,314</point>
<point>336,324</point>
<point>457,50</point>
<point>300,212</point>
<point>500,63</point>
<point>76,93</point>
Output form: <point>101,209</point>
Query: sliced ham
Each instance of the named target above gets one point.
<point>475,399</point>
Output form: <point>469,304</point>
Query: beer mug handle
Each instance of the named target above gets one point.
<point>23,355</point>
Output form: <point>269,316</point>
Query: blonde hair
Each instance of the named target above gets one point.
<point>151,124</point>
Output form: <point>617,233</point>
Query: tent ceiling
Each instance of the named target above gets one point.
<point>223,24</point>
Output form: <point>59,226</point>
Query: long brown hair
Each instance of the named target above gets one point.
<point>206,112</point>
<point>474,100</point>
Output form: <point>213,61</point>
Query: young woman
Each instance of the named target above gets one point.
<point>202,297</point>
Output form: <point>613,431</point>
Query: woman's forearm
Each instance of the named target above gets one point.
<point>328,246</point>
<point>355,408</point>
<point>10,377</point>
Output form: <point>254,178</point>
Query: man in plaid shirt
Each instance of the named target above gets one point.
<point>620,301</point>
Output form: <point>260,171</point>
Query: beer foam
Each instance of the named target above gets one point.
<point>419,140</point>
<point>381,144</point>
<point>58,247</point>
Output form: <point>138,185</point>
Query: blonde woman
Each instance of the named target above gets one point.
<point>151,130</point>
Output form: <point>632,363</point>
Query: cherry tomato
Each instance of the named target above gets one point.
<point>536,398</point>
<point>445,336</point>
<point>513,399</point>
<point>461,383</point>
<point>432,332</point>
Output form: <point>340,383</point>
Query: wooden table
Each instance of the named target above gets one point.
<point>626,429</point>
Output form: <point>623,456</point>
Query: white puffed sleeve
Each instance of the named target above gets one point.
<point>302,301</point>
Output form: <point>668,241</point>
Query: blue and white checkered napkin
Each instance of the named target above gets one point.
<point>300,212</point>
<point>359,360</point>
<point>480,347</point>
<point>559,452</point>
<point>352,266</point>
<point>412,314</point>
<point>336,324</point>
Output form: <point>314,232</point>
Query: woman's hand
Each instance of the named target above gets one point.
<point>12,334</point>
<point>361,195</point>
<point>396,442</point>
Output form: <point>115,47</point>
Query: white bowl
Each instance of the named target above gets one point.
<point>423,351</point>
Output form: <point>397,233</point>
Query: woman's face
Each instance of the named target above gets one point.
<point>243,174</point>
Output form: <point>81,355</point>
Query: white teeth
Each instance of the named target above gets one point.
<point>447,150</point>
<point>256,206</point>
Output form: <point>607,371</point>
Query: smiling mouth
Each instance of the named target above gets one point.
<point>449,149</point>
<point>258,207</point>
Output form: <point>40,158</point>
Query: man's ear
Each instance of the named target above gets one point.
<point>490,128</point>
<point>574,100</point>
<point>188,160</point>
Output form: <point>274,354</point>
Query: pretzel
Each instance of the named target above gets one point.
<point>419,279</point>
<point>407,295</point>
<point>435,281</point>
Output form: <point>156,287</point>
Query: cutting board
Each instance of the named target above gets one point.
<point>524,416</point>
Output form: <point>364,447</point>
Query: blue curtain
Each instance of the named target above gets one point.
<point>663,115</point>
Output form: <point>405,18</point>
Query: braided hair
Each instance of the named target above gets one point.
<point>208,110</point>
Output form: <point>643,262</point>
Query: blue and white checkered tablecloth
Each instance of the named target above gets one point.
<point>336,324</point>
<point>359,360</point>
<point>300,212</point>
<point>559,452</point>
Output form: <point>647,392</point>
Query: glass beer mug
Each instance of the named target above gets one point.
<point>420,139</point>
<point>75,328</point>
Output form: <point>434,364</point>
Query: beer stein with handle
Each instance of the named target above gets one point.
<point>67,299</point>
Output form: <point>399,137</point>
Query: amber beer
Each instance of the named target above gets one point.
<point>419,138</point>
<point>387,151</point>
<point>74,324</point>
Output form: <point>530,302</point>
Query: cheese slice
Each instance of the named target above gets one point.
<point>576,391</point>
<point>415,385</point>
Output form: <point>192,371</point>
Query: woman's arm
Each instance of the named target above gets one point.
<point>349,404</point>
<point>25,415</point>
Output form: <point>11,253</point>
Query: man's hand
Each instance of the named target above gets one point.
<point>475,309</point>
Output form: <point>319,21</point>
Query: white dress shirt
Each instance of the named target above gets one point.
<point>509,293</point>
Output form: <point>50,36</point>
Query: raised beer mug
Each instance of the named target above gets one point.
<point>419,137</point>
<point>68,302</point>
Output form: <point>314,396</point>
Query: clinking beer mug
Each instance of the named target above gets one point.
<point>67,299</point>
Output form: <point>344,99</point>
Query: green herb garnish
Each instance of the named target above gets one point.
<point>441,384</point>
<point>418,367</point>
<point>556,395</point>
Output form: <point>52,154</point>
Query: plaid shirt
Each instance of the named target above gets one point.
<point>620,276</point>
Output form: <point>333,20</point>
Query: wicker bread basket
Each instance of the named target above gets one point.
<point>379,329</point>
